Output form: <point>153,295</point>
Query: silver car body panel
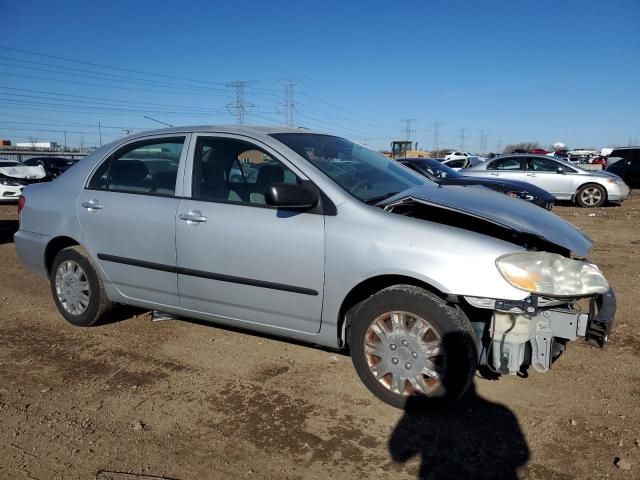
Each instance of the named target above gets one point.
<point>232,268</point>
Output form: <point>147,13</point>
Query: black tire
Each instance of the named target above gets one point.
<point>98,306</point>
<point>450,323</point>
<point>595,195</point>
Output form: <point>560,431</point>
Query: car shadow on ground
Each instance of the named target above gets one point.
<point>473,438</point>
<point>7,229</point>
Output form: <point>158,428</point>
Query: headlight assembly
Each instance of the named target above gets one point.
<point>551,274</point>
<point>7,182</point>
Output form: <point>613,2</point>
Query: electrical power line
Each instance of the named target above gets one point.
<point>461,138</point>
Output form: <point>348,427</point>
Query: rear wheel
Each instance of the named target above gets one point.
<point>407,342</point>
<point>77,289</point>
<point>591,195</point>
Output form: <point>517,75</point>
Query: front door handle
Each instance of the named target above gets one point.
<point>92,205</point>
<point>494,174</point>
<point>531,175</point>
<point>193,216</point>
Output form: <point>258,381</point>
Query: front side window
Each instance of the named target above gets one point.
<point>457,163</point>
<point>505,164</point>
<point>364,173</point>
<point>230,170</point>
<point>148,167</point>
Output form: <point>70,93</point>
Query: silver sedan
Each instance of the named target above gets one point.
<point>315,238</point>
<point>565,181</point>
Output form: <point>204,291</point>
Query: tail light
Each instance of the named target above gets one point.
<point>21,203</point>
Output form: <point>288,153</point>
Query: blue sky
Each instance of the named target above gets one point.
<point>539,70</point>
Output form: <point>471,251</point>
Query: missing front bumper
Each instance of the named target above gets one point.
<point>536,336</point>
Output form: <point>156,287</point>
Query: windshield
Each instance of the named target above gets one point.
<point>435,169</point>
<point>364,173</point>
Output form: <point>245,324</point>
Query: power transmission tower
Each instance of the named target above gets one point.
<point>407,128</point>
<point>288,102</point>
<point>461,137</point>
<point>239,107</point>
<point>436,137</point>
<point>483,142</point>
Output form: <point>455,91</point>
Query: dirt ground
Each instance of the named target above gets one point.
<point>137,399</point>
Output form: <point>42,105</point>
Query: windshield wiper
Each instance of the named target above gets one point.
<point>379,198</point>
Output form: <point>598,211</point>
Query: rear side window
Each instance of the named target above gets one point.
<point>149,167</point>
<point>505,164</point>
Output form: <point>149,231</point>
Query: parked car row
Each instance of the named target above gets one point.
<point>15,175</point>
<point>325,241</point>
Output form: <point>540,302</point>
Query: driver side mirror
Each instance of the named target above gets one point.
<point>560,170</point>
<point>291,196</point>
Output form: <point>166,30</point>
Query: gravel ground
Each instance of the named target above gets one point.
<point>137,399</point>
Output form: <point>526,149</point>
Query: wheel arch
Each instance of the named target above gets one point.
<point>587,183</point>
<point>54,246</point>
<point>366,289</point>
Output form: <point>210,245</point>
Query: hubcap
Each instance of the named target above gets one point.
<point>72,287</point>
<point>404,353</point>
<point>591,196</point>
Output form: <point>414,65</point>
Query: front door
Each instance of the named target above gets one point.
<point>127,213</point>
<point>238,258</point>
<point>543,172</point>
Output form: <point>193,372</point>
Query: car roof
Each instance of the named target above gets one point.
<point>238,129</point>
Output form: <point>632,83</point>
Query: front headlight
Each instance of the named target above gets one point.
<point>551,274</point>
<point>7,182</point>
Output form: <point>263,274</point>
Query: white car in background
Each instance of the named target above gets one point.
<point>582,152</point>
<point>458,164</point>
<point>14,176</point>
<point>454,155</point>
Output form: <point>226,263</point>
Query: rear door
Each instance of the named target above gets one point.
<point>127,213</point>
<point>543,172</point>
<point>238,258</point>
<point>511,168</point>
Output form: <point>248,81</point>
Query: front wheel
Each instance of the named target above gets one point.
<point>77,288</point>
<point>591,196</point>
<point>407,342</point>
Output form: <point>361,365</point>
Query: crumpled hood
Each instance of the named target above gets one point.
<point>499,209</point>
<point>31,173</point>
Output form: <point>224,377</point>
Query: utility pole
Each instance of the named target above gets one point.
<point>461,137</point>
<point>499,146</point>
<point>239,107</point>
<point>100,133</point>
<point>65,141</point>
<point>436,137</point>
<point>407,128</point>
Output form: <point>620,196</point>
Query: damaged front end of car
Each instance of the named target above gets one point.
<point>567,296</point>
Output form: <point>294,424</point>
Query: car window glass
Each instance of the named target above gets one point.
<point>456,163</point>
<point>143,168</point>
<point>231,170</point>
<point>505,164</point>
<point>539,164</point>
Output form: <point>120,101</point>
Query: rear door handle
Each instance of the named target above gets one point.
<point>193,216</point>
<point>493,174</point>
<point>92,205</point>
<point>531,175</point>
